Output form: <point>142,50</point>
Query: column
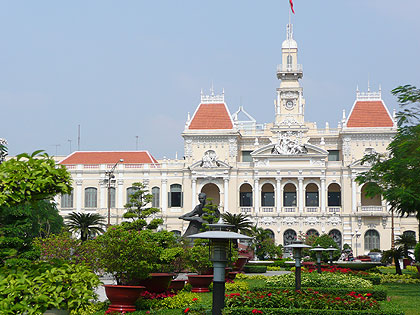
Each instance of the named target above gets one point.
<point>79,195</point>
<point>120,188</point>
<point>226,191</point>
<point>353,194</point>
<point>323,195</point>
<point>256,195</point>
<point>300,195</point>
<point>164,195</point>
<point>193,192</point>
<point>104,196</point>
<point>279,193</point>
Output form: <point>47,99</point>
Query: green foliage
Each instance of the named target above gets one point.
<point>30,178</point>
<point>417,252</point>
<point>255,269</point>
<point>394,254</point>
<point>138,209</point>
<point>305,311</point>
<point>396,278</point>
<point>263,245</point>
<point>130,255</point>
<point>237,286</point>
<point>325,241</point>
<point>211,214</point>
<point>36,287</point>
<point>64,248</point>
<point>282,262</point>
<point>241,222</point>
<point>198,259</point>
<point>325,279</point>
<point>87,224</point>
<point>181,300</point>
<point>3,150</point>
<point>20,224</point>
<point>406,241</point>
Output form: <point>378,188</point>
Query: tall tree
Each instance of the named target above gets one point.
<point>87,224</point>
<point>3,149</point>
<point>395,175</point>
<point>241,222</point>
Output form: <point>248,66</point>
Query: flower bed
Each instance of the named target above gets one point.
<point>308,299</point>
<point>332,280</point>
<point>167,300</point>
<point>375,279</point>
<point>395,278</point>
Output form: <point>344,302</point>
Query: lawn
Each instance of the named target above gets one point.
<point>406,296</point>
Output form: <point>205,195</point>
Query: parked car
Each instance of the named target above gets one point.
<point>375,256</point>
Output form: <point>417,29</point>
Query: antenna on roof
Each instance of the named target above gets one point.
<point>69,141</point>
<point>78,137</point>
<point>368,83</point>
<point>212,89</point>
<point>137,143</point>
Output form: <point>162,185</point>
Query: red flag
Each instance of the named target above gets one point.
<point>291,6</point>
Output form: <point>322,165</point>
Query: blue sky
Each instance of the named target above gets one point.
<point>123,69</point>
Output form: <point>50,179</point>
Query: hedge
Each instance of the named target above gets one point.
<point>379,293</point>
<point>386,310</point>
<point>375,279</point>
<point>255,269</point>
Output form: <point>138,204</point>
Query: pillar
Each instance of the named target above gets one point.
<point>256,195</point>
<point>300,195</point>
<point>226,193</point>
<point>279,194</point>
<point>323,195</point>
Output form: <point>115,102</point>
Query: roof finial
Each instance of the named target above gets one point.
<point>289,34</point>
<point>212,89</point>
<point>357,88</point>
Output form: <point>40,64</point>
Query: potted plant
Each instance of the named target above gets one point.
<point>199,261</point>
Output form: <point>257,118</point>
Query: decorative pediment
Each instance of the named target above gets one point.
<point>210,161</point>
<point>288,149</point>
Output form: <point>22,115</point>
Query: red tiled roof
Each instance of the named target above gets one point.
<point>211,116</point>
<point>369,114</point>
<point>108,157</point>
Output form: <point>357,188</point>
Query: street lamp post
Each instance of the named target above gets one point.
<point>109,176</point>
<point>297,247</point>
<point>220,238</point>
<point>318,250</point>
<point>357,235</point>
<point>330,250</point>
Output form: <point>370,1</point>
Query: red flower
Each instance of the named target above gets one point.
<point>255,311</point>
<point>187,310</point>
<point>368,294</point>
<point>194,299</point>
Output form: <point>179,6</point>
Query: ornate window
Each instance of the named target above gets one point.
<point>175,196</point>
<point>289,236</point>
<point>112,199</point>
<point>312,196</point>
<point>336,236</point>
<point>372,240</point>
<point>245,196</point>
<point>312,232</point>
<point>271,233</point>
<point>289,195</point>
<point>156,197</point>
<point>131,191</point>
<point>91,197</point>
<point>370,201</point>
<point>267,195</point>
<point>334,195</point>
<point>67,200</point>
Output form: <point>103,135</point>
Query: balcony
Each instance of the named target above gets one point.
<point>372,208</point>
<point>267,209</point>
<point>311,209</point>
<point>287,70</point>
<point>289,209</point>
<point>246,210</point>
<point>334,209</point>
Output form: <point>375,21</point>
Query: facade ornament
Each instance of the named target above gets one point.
<point>233,147</point>
<point>315,162</point>
<point>268,221</point>
<point>384,221</point>
<point>347,146</point>
<point>79,182</point>
<point>311,221</point>
<point>289,120</point>
<point>334,221</point>
<point>287,146</point>
<point>209,159</point>
<point>372,226</point>
<point>188,148</point>
<point>263,162</point>
<point>289,221</point>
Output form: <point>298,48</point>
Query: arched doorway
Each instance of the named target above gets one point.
<point>289,236</point>
<point>212,192</point>
<point>336,236</point>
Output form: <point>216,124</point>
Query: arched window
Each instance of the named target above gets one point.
<point>176,232</point>
<point>175,196</point>
<point>112,199</point>
<point>289,195</point>
<point>91,197</point>
<point>336,236</point>
<point>267,195</point>
<point>334,195</point>
<point>271,233</point>
<point>370,201</point>
<point>372,240</point>
<point>312,232</point>
<point>289,61</point>
<point>412,233</point>
<point>156,197</point>
<point>289,236</point>
<point>67,200</point>
<point>245,195</point>
<point>130,192</point>
<point>312,196</point>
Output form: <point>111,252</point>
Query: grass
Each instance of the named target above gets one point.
<point>406,296</point>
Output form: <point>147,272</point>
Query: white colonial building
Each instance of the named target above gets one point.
<point>289,175</point>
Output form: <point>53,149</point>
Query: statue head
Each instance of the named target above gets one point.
<point>202,198</point>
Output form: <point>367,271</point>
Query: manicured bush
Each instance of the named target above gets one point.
<point>255,269</point>
<point>282,262</point>
<point>357,266</point>
<point>237,286</point>
<point>320,280</point>
<point>395,278</point>
<point>35,288</point>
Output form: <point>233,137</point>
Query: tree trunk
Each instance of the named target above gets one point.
<point>397,265</point>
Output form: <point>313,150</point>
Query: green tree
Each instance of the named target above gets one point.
<point>28,183</point>
<point>211,214</point>
<point>87,224</point>
<point>395,175</point>
<point>395,255</point>
<point>3,150</point>
<point>138,208</point>
<point>325,241</point>
<point>406,241</point>
<point>241,224</point>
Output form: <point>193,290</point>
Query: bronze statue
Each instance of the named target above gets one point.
<point>196,216</point>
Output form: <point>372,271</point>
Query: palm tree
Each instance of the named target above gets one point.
<point>406,241</point>
<point>240,222</point>
<point>395,255</point>
<point>88,224</point>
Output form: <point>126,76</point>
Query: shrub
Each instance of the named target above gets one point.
<point>237,286</point>
<point>241,276</point>
<point>395,278</point>
<point>255,269</point>
<point>293,311</point>
<point>417,252</point>
<point>320,280</point>
<point>282,262</point>
<point>325,241</point>
<point>35,288</point>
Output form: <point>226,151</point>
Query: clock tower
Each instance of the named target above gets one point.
<point>290,104</point>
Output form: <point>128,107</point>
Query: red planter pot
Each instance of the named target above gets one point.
<point>232,274</point>
<point>176,285</point>
<point>157,283</point>
<point>122,297</point>
<point>200,283</point>
<point>406,262</point>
